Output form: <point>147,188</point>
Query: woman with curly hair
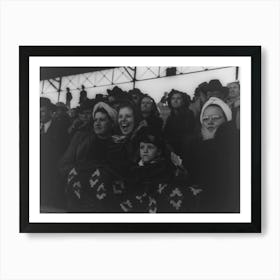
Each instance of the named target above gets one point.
<point>150,113</point>
<point>180,123</point>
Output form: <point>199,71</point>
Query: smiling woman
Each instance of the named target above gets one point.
<point>123,152</point>
<point>126,120</point>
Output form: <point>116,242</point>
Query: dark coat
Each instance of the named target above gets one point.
<point>85,147</point>
<point>155,123</point>
<point>122,155</point>
<point>177,127</point>
<point>52,146</point>
<point>158,187</point>
<point>214,166</point>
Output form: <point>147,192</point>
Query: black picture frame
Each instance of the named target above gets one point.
<point>254,52</point>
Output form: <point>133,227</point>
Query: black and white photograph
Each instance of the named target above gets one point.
<point>162,139</point>
<point>140,139</point>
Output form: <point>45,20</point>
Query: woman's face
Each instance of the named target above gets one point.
<point>126,120</point>
<point>102,124</point>
<point>146,105</point>
<point>212,118</point>
<point>176,101</point>
<point>85,115</point>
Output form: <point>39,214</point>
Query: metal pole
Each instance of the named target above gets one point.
<point>236,72</point>
<point>42,91</point>
<point>59,88</point>
<point>134,78</point>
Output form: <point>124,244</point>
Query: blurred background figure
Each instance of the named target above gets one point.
<point>83,95</point>
<point>61,114</point>
<point>136,95</point>
<point>164,109</point>
<point>199,98</point>
<point>216,89</point>
<point>233,93</point>
<point>180,123</point>
<point>84,119</point>
<point>150,113</point>
<point>53,142</point>
<point>68,98</point>
<point>116,96</point>
<point>233,101</point>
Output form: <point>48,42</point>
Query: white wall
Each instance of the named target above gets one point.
<point>138,256</point>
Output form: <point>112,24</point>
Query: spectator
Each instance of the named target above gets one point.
<point>116,97</point>
<point>200,97</point>
<point>91,145</point>
<point>53,140</point>
<point>61,114</point>
<point>136,96</point>
<point>150,113</point>
<point>87,158</point>
<point>123,152</point>
<point>157,186</point>
<point>68,98</point>
<point>164,110</point>
<point>180,122</point>
<point>216,89</point>
<point>233,101</point>
<point>83,95</point>
<point>212,159</point>
<point>84,120</point>
<point>233,93</point>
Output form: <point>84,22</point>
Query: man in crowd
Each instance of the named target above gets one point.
<point>53,142</point>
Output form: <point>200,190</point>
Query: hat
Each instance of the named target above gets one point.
<point>46,102</point>
<point>234,82</point>
<point>87,105</point>
<point>115,91</point>
<point>136,91</point>
<point>218,102</point>
<point>99,97</point>
<point>112,113</point>
<point>61,105</point>
<point>215,85</point>
<point>146,135</point>
<point>202,87</point>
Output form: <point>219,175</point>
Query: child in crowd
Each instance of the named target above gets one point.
<point>158,185</point>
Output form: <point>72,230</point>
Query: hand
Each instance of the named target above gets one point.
<point>176,160</point>
<point>207,134</point>
<point>143,123</point>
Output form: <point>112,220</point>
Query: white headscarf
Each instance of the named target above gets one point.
<point>112,113</point>
<point>218,102</point>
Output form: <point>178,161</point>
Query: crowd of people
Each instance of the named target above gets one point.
<point>122,152</point>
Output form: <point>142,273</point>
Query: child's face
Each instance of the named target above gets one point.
<point>148,152</point>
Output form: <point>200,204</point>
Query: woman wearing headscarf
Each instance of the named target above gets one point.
<point>212,159</point>
<point>91,145</point>
<point>85,165</point>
